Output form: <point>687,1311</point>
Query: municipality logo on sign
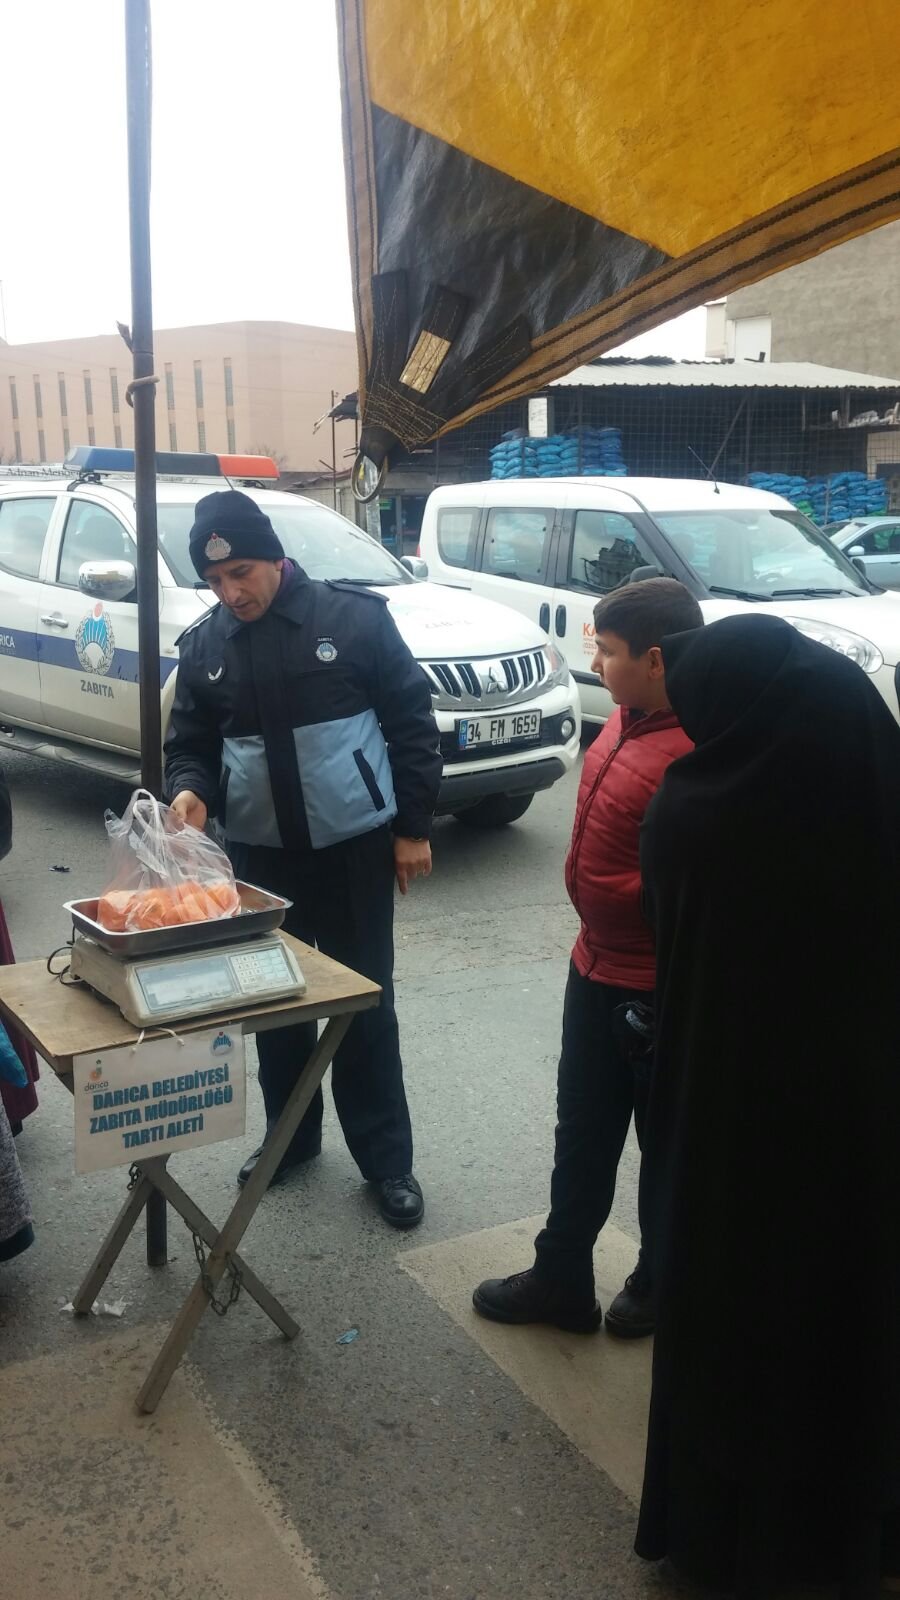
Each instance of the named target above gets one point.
<point>222,1044</point>
<point>96,1079</point>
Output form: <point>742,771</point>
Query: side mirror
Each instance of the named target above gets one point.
<point>859,564</point>
<point>855,550</point>
<point>107,580</point>
<point>415,566</point>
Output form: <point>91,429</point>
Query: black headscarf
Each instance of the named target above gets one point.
<point>772,1152</point>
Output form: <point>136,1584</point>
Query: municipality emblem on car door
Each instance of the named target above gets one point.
<point>95,643</point>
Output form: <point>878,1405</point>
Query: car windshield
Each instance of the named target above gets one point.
<point>325,544</point>
<point>760,554</point>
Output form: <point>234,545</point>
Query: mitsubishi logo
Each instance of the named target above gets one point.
<point>490,683</point>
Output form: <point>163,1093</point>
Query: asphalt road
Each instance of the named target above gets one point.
<point>408,1463</point>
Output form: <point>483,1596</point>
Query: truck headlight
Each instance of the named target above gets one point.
<point>866,654</point>
<point>557,667</point>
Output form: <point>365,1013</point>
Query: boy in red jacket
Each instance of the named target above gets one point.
<point>602,1079</point>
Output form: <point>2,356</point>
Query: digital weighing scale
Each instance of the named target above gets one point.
<point>167,975</point>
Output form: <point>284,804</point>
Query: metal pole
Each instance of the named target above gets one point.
<point>138,62</point>
<point>334,399</point>
<point>361,513</point>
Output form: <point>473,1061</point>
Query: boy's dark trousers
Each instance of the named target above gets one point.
<point>601,1082</point>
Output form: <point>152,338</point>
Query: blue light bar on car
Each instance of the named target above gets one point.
<point>100,458</point>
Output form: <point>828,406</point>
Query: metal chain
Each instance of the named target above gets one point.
<point>220,1307</point>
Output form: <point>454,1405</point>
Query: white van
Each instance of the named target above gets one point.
<point>504,702</point>
<point>552,547</point>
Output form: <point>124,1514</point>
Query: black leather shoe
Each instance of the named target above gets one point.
<point>400,1201</point>
<point>291,1159</point>
<point>632,1315</point>
<point>527,1298</point>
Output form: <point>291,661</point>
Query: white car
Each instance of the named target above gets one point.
<point>874,542</point>
<point>552,547</point>
<point>505,703</point>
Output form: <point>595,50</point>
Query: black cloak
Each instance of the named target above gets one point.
<point>772,1151</point>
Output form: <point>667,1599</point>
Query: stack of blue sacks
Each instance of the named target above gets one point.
<point>835,498</point>
<point>846,494</point>
<point>597,452</point>
<point>590,452</point>
<point>515,456</point>
<point>786,484</point>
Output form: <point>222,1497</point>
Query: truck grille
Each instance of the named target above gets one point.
<point>487,682</point>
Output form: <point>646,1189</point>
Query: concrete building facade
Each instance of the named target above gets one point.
<point>842,309</point>
<point>231,386</point>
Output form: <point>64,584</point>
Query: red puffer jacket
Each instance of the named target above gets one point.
<point>622,771</point>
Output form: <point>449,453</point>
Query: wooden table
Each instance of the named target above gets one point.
<point>63,1022</point>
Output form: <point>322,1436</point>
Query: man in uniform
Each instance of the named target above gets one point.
<point>304,724</point>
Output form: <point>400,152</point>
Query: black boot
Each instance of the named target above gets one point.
<point>400,1201</point>
<point>525,1297</point>
<point>293,1157</point>
<point>632,1314</point>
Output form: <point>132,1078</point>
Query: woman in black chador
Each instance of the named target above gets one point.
<point>770,863</point>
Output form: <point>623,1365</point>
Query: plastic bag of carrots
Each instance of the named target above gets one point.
<point>166,873</point>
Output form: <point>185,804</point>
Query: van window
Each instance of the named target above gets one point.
<point>763,552</point>
<point>880,541</point>
<point>456,530</point>
<point>516,543</point>
<point>606,549</point>
<point>23,528</point>
<point>92,534</point>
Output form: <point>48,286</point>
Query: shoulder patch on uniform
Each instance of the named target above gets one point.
<point>198,623</point>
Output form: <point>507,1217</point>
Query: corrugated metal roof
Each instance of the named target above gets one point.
<point>659,371</point>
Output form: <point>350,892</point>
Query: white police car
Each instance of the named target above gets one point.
<point>505,702</point>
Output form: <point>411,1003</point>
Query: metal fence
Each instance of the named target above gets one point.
<point>805,435</point>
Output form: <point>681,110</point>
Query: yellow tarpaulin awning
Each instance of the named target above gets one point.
<point>531,184</point>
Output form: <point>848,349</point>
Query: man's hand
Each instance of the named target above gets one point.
<point>412,859</point>
<point>190,808</point>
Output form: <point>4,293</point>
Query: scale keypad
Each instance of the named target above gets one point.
<point>260,969</point>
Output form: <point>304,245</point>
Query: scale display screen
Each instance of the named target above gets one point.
<point>170,985</point>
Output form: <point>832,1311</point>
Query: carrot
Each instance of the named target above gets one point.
<point>121,910</point>
<point>113,909</point>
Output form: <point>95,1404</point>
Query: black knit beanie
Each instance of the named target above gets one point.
<point>229,526</point>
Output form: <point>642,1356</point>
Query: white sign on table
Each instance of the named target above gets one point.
<point>158,1097</point>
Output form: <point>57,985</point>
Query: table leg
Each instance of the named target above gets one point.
<point>157,1230</point>
<point>241,1215</point>
<point>111,1248</point>
<point>209,1233</point>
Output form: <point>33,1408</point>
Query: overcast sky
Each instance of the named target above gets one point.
<point>248,199</point>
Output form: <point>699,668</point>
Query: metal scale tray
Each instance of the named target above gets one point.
<point>260,913</point>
